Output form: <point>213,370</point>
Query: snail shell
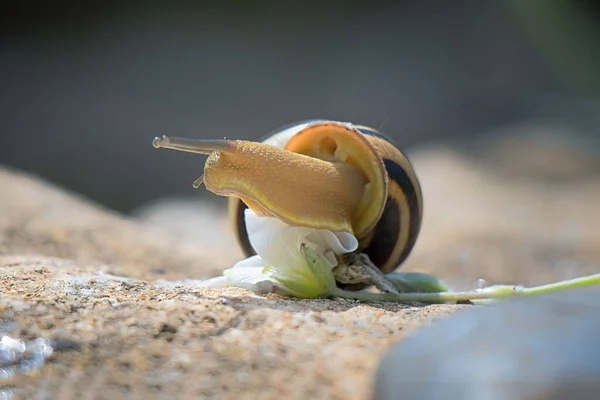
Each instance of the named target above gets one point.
<point>388,220</point>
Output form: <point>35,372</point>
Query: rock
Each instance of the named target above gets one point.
<point>530,348</point>
<point>38,219</point>
<point>116,299</point>
<point>499,219</point>
<point>193,220</point>
<point>118,337</point>
<point>535,151</point>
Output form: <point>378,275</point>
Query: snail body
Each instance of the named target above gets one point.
<point>320,174</point>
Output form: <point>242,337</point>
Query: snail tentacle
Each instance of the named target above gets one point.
<point>197,146</point>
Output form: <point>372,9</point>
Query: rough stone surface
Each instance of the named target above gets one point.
<point>118,299</point>
<point>532,348</point>
<point>135,339</point>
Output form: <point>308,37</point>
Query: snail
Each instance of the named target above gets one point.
<point>321,174</point>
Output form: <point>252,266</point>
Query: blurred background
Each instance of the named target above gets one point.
<point>85,87</point>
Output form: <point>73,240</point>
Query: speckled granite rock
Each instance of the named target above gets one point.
<point>133,339</point>
<point>532,348</point>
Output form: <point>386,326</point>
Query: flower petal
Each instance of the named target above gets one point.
<point>330,244</point>
<point>291,260</point>
<point>276,242</point>
<point>248,274</point>
<point>279,244</point>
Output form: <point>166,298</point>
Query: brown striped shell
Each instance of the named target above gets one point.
<point>394,222</point>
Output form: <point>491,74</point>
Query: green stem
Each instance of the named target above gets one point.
<point>409,297</point>
<point>480,297</point>
<point>563,285</point>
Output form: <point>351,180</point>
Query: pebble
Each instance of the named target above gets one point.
<point>543,347</point>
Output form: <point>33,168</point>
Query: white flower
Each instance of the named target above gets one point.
<point>293,260</point>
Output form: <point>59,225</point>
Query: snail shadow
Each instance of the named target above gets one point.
<point>338,305</point>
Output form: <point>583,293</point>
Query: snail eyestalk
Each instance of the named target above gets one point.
<point>197,146</point>
<point>198,182</point>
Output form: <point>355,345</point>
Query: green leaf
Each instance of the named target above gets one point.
<point>416,282</point>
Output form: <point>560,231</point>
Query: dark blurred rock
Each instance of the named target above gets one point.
<point>536,150</point>
<point>532,348</point>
